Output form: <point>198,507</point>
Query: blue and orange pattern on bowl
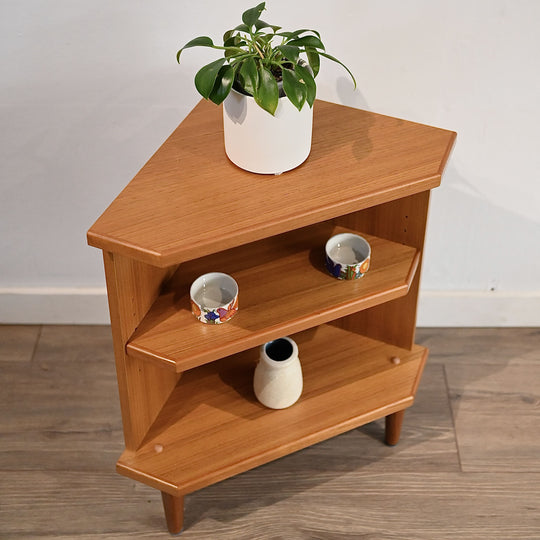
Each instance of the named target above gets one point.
<point>215,316</point>
<point>344,271</point>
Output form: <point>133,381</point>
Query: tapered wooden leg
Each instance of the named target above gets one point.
<point>174,512</point>
<point>393,427</point>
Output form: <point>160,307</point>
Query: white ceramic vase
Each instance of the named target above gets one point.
<point>261,143</point>
<point>278,376</point>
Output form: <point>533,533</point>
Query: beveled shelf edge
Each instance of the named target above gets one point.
<point>148,479</point>
<point>273,332</point>
<point>273,228</point>
<point>133,251</point>
<point>448,152</point>
<point>298,221</point>
<point>266,457</point>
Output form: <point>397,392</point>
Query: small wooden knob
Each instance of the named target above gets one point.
<point>396,360</point>
<point>158,448</point>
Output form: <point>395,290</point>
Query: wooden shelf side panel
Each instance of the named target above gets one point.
<point>132,287</point>
<point>404,221</point>
<point>213,427</point>
<point>284,288</point>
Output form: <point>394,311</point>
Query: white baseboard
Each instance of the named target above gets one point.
<point>478,308</point>
<point>436,308</point>
<point>41,305</point>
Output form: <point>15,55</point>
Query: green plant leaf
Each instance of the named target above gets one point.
<point>308,30</point>
<point>267,94</point>
<point>227,35</point>
<point>307,41</point>
<point>290,52</point>
<point>251,16</point>
<point>201,41</point>
<point>326,55</point>
<point>223,84</point>
<point>242,28</point>
<point>314,60</point>
<point>206,77</point>
<point>249,75</point>
<point>237,60</point>
<point>307,78</point>
<point>261,24</point>
<point>293,88</point>
<point>296,33</point>
<point>234,51</point>
<point>233,41</point>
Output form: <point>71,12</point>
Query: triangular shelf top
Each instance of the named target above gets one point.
<point>189,200</point>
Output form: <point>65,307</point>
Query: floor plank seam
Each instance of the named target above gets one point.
<point>36,343</point>
<point>448,397</point>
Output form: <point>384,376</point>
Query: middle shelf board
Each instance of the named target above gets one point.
<point>284,288</point>
<point>212,427</point>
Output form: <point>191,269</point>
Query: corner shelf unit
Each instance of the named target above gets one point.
<point>185,388</point>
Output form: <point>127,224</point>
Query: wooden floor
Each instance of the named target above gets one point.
<point>467,466</point>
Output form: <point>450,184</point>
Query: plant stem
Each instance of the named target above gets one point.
<point>233,60</point>
<point>258,50</point>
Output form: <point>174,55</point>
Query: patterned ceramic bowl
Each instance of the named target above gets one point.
<point>347,256</point>
<point>214,298</point>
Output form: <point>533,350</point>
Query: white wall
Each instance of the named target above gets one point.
<point>89,90</point>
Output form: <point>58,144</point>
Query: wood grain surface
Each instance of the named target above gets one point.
<point>60,435</point>
<point>486,400</point>
<point>403,221</point>
<point>284,287</point>
<point>497,393</point>
<point>213,427</point>
<point>506,346</point>
<point>56,409</point>
<point>132,287</point>
<point>189,200</point>
<point>17,343</point>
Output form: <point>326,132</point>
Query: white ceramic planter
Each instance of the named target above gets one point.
<point>261,143</point>
<point>278,376</point>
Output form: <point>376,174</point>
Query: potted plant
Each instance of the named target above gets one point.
<point>265,79</point>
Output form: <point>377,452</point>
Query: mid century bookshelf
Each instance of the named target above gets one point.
<point>189,413</point>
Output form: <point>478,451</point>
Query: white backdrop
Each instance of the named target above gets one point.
<point>89,90</point>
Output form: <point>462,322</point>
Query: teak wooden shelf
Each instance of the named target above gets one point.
<point>186,396</point>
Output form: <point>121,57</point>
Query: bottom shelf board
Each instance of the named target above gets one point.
<point>212,426</point>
